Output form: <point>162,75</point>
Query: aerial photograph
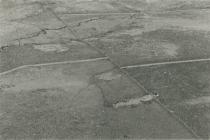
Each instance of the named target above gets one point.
<point>104,69</point>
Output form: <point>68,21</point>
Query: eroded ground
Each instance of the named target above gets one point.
<point>64,64</point>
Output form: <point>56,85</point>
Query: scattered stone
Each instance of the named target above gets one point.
<point>108,76</point>
<point>51,48</point>
<point>136,101</point>
<point>3,48</point>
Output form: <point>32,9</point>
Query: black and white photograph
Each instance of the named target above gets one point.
<point>104,69</point>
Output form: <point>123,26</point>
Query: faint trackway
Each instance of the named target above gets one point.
<point>54,63</point>
<point>42,31</point>
<point>166,63</point>
<point>66,25</point>
<point>106,13</point>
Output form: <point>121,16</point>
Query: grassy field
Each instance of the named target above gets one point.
<point>183,88</point>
